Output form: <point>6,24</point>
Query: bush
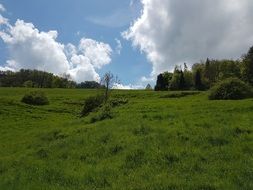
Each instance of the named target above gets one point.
<point>35,98</point>
<point>118,102</point>
<point>230,89</point>
<point>105,113</point>
<point>92,103</point>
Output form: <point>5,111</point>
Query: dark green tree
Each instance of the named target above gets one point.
<point>247,67</point>
<point>181,81</point>
<point>198,80</point>
<point>163,81</point>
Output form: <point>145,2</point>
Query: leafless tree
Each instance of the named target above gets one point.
<point>108,81</point>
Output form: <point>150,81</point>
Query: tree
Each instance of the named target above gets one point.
<point>247,67</point>
<point>198,80</point>
<point>148,87</point>
<point>188,78</point>
<point>89,85</point>
<point>163,81</point>
<point>159,83</point>
<point>178,81</point>
<point>228,69</point>
<point>207,70</point>
<point>108,81</point>
<point>181,81</point>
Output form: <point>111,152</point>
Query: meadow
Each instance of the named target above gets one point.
<point>156,141</point>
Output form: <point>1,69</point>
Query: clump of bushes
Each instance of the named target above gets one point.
<point>230,89</point>
<point>35,98</point>
<point>104,113</point>
<point>118,101</point>
<point>92,103</point>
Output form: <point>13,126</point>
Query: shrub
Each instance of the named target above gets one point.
<point>230,89</point>
<point>35,98</point>
<point>118,101</point>
<point>105,113</point>
<point>92,103</point>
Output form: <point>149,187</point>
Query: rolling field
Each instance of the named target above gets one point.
<point>155,141</point>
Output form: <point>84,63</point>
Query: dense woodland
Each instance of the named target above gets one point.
<point>204,75</point>
<point>40,79</point>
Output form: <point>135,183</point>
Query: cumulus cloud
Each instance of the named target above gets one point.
<point>97,52</point>
<point>172,32</point>
<point>30,48</point>
<point>127,87</point>
<point>82,69</point>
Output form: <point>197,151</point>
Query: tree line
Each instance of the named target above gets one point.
<point>41,79</point>
<point>205,74</point>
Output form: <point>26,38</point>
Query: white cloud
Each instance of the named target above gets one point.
<point>97,52</point>
<point>127,87</point>
<point>31,49</point>
<point>2,8</point>
<point>170,32</point>
<point>147,79</point>
<point>118,47</point>
<point>82,69</point>
<point>6,69</point>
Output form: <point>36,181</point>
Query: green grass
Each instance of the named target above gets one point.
<point>156,141</point>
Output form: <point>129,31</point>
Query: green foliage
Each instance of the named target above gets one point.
<point>104,113</point>
<point>114,102</point>
<point>92,103</point>
<point>229,69</point>
<point>90,85</point>
<point>230,89</point>
<point>178,80</point>
<point>179,94</point>
<point>35,98</point>
<point>247,67</point>
<point>28,84</point>
<point>189,82</point>
<point>40,79</point>
<point>204,75</point>
<point>163,81</point>
<point>198,83</point>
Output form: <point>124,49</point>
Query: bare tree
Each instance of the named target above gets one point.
<point>108,81</point>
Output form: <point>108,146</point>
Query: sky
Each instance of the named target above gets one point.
<point>134,39</point>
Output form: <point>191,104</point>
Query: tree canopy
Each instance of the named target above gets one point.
<point>41,79</point>
<point>207,73</point>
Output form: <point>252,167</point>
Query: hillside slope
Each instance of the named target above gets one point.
<point>155,141</point>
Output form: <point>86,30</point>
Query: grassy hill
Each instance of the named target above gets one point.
<point>158,140</point>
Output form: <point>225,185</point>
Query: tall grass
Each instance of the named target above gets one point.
<point>151,142</point>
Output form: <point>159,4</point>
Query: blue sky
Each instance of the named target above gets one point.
<point>81,37</point>
<point>100,20</point>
